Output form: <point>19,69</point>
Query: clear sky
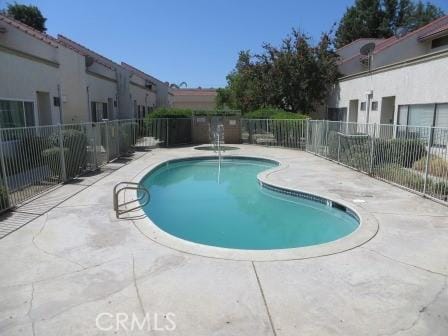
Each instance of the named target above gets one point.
<point>196,41</point>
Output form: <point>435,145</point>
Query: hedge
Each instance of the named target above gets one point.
<point>74,143</point>
<point>273,113</point>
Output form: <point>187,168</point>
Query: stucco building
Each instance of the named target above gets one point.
<point>48,80</point>
<point>402,80</point>
<point>195,99</point>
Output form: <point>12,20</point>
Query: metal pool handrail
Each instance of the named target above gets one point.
<point>122,186</point>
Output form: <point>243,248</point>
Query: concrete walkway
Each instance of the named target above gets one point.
<point>67,266</point>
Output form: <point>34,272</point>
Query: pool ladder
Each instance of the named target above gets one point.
<point>142,199</point>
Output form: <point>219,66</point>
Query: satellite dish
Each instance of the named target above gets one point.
<point>367,49</point>
<point>401,31</point>
<point>89,60</point>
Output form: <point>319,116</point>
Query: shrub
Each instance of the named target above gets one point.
<point>398,174</point>
<point>127,135</point>
<point>355,151</point>
<point>169,112</point>
<point>412,180</point>
<point>52,157</point>
<point>437,166</point>
<point>4,199</point>
<point>74,143</point>
<point>273,113</point>
<point>401,151</point>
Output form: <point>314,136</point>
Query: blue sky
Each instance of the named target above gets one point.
<point>196,41</point>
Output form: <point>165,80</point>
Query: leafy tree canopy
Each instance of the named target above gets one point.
<point>382,18</point>
<point>295,77</point>
<point>273,113</point>
<point>27,14</point>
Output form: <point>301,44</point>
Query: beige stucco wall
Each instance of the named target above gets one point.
<point>100,90</point>
<point>195,99</point>
<point>406,49</point>
<point>29,64</point>
<point>353,48</point>
<point>142,95</point>
<point>73,86</point>
<point>23,74</point>
<point>413,84</point>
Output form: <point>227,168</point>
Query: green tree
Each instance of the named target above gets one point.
<point>382,18</point>
<point>363,19</point>
<point>27,14</point>
<point>294,77</point>
<point>422,14</point>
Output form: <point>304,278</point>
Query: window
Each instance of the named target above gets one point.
<point>337,114</point>
<point>442,115</point>
<point>99,111</point>
<point>16,113</point>
<point>403,114</point>
<point>105,114</point>
<point>374,106</point>
<point>363,106</point>
<point>439,42</point>
<point>421,115</point>
<point>426,115</point>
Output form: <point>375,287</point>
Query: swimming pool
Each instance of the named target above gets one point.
<point>226,206</point>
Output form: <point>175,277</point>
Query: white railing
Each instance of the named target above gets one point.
<point>412,157</point>
<point>35,159</point>
<point>290,133</point>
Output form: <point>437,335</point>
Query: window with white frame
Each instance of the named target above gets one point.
<point>426,115</point>
<point>99,111</point>
<point>16,113</point>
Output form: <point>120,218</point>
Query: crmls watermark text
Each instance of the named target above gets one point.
<point>132,322</point>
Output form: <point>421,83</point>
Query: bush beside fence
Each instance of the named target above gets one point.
<point>34,159</point>
<point>412,157</point>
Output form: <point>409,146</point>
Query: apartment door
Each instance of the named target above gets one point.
<point>44,108</point>
<point>387,110</point>
<point>353,110</point>
<point>110,109</point>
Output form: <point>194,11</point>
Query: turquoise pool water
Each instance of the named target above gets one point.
<point>227,207</point>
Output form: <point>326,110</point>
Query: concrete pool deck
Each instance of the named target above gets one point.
<point>76,261</point>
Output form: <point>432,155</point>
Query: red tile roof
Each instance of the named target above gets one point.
<point>434,33</point>
<point>430,27</point>
<point>30,31</point>
<point>137,72</point>
<point>84,51</point>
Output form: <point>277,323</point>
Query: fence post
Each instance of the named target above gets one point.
<point>117,138</point>
<point>307,123</point>
<point>428,158</point>
<point>167,131</point>
<point>326,138</point>
<point>93,129</point>
<point>4,176</point>
<point>339,146</point>
<point>107,141</point>
<point>61,147</point>
<point>372,149</point>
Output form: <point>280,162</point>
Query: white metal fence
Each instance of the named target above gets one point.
<point>412,157</point>
<point>290,133</point>
<point>34,159</point>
